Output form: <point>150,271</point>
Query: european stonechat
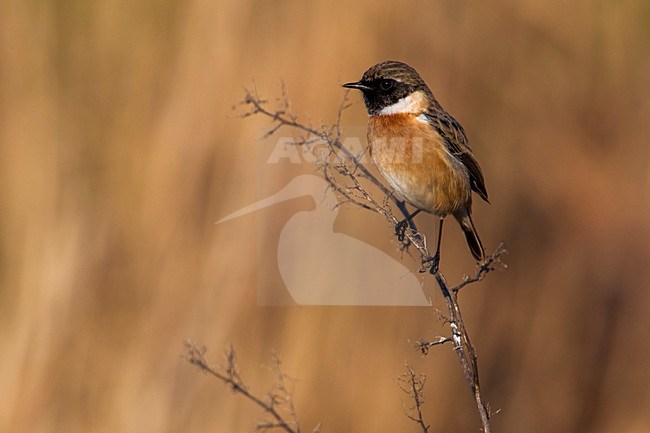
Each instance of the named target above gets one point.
<point>421,150</point>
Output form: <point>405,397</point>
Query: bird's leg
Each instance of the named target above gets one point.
<point>401,226</point>
<point>435,260</point>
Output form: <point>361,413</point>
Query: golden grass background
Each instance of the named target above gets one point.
<point>119,152</point>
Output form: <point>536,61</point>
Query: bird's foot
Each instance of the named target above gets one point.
<point>400,229</point>
<point>432,263</point>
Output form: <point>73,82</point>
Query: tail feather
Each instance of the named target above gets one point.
<point>474,242</point>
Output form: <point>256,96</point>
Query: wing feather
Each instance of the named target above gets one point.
<point>454,136</point>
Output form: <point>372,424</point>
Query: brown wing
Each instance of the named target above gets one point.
<point>458,146</point>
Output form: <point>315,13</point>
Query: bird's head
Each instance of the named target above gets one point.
<point>393,87</point>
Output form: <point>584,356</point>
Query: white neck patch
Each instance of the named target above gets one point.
<point>414,103</point>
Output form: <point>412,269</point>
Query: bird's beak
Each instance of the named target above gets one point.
<point>357,85</point>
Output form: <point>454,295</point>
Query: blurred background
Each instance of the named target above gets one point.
<point>119,151</point>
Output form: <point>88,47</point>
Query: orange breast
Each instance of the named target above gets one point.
<point>412,158</point>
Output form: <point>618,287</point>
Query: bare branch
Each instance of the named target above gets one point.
<point>464,350</point>
<point>424,346</point>
<point>254,105</point>
<point>413,385</point>
<point>279,400</point>
<point>491,263</point>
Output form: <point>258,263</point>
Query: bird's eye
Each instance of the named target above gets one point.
<point>385,84</point>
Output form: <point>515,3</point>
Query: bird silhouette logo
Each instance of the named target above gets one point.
<point>321,267</point>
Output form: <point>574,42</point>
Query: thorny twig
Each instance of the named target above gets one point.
<point>348,164</point>
<point>491,263</point>
<point>344,172</point>
<point>278,402</point>
<point>424,346</point>
<point>413,385</point>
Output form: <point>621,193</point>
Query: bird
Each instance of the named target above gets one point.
<point>322,267</point>
<point>421,151</point>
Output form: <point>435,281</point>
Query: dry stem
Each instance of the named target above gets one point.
<point>278,402</point>
<point>413,384</point>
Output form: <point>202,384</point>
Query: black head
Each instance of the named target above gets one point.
<point>384,84</point>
